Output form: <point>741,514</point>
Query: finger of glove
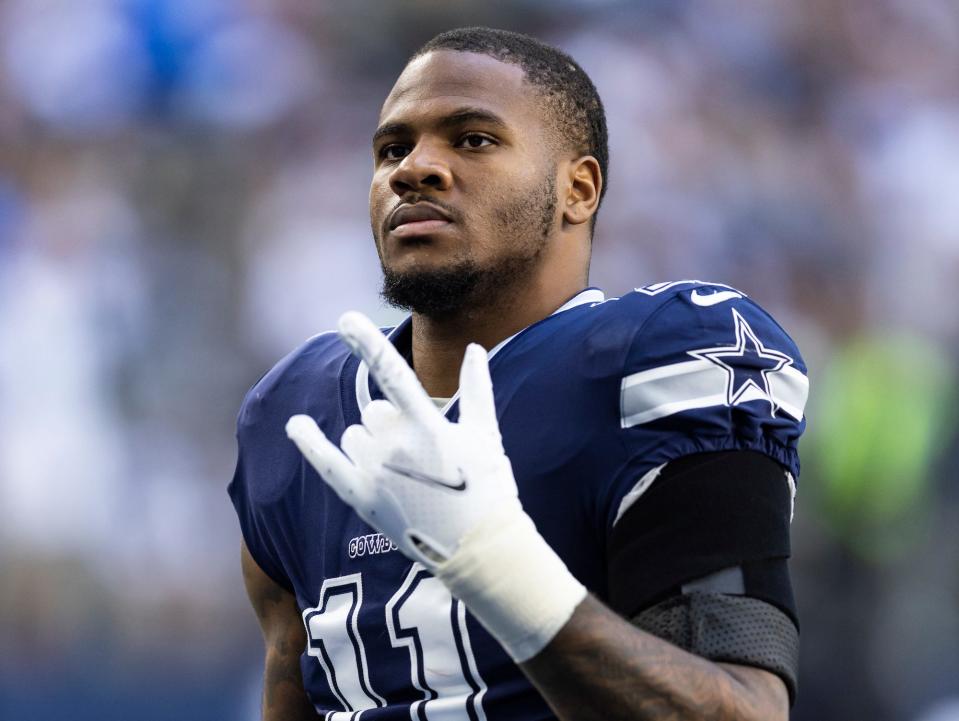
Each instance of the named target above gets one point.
<point>380,416</point>
<point>335,468</point>
<point>391,372</point>
<point>358,445</point>
<point>477,405</point>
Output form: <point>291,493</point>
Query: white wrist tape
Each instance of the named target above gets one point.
<point>512,582</point>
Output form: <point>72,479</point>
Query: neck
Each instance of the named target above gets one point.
<point>439,344</point>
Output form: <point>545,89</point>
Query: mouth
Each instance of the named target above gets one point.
<point>409,220</point>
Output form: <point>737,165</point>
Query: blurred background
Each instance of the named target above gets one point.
<point>183,189</point>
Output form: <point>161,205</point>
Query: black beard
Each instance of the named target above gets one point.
<point>436,293</point>
<point>444,293</point>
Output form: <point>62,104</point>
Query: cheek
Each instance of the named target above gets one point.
<point>378,206</point>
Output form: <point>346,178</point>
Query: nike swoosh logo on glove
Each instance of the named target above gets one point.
<point>426,478</point>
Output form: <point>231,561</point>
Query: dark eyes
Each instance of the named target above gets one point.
<point>474,140</point>
<point>471,141</point>
<point>394,151</point>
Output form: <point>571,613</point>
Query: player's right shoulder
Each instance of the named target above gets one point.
<point>312,369</point>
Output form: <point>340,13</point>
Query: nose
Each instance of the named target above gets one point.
<point>425,167</point>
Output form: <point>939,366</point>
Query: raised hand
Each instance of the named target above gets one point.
<point>407,470</point>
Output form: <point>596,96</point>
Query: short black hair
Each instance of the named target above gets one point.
<point>575,108</point>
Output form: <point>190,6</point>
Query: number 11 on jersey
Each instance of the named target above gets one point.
<point>421,617</point>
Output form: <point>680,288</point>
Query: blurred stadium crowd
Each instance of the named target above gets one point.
<point>183,199</point>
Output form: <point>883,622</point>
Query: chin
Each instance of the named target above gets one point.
<point>421,253</point>
<point>438,289</point>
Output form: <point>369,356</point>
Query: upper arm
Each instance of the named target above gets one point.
<point>284,637</point>
<point>711,409</point>
<point>706,379</point>
<point>700,562</point>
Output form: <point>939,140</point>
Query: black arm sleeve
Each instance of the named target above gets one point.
<point>700,561</point>
<point>728,628</point>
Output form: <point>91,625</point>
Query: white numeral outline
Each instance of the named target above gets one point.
<point>431,592</point>
<point>448,682</point>
<point>312,618</point>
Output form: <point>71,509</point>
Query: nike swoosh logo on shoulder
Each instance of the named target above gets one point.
<point>427,478</point>
<point>708,299</point>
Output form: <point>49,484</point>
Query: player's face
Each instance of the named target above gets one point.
<point>463,180</point>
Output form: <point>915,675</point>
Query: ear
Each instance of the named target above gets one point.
<point>582,196</point>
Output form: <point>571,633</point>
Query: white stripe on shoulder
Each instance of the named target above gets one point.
<point>790,389</point>
<point>659,392</point>
<point>663,391</point>
<point>719,375</point>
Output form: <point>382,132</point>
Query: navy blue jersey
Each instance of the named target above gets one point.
<point>591,402</point>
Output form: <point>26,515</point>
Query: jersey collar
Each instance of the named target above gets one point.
<point>363,395</point>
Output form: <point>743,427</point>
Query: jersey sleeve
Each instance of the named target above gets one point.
<point>707,372</point>
<point>711,411</point>
<point>268,463</point>
<point>252,466</point>
<point>267,489</point>
<point>704,378</point>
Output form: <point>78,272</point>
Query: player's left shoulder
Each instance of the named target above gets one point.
<point>701,342</point>
<point>683,315</point>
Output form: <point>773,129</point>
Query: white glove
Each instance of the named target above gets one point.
<point>408,471</point>
<point>445,493</point>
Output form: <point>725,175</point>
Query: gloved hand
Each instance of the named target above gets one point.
<point>445,493</point>
<point>408,471</point>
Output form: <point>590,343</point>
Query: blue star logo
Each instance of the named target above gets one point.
<point>748,365</point>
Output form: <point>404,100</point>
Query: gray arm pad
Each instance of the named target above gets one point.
<point>730,629</point>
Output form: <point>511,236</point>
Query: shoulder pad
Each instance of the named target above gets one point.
<point>288,379</point>
<point>704,345</point>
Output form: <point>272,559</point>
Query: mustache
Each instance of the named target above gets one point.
<point>413,198</point>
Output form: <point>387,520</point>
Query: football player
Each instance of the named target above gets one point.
<point>527,500</point>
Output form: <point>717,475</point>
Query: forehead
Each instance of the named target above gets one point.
<point>442,81</point>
